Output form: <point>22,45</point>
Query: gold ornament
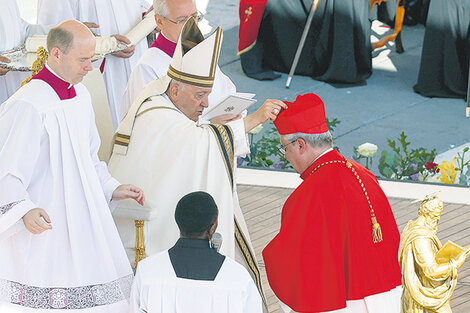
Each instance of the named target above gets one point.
<point>41,59</point>
<point>429,269</point>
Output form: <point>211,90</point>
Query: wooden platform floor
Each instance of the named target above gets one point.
<point>262,206</point>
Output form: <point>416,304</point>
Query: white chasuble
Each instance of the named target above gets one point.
<point>169,156</point>
<point>113,17</point>
<point>153,65</point>
<point>157,289</point>
<point>13,32</point>
<point>48,160</point>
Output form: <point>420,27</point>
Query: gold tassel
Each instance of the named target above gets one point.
<point>376,230</point>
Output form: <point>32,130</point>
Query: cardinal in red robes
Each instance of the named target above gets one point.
<point>337,249</point>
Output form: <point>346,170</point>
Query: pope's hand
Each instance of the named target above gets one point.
<point>35,221</point>
<point>225,118</point>
<point>269,110</point>
<point>126,53</point>
<point>3,71</point>
<point>129,192</point>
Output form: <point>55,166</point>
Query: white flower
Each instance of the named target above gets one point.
<point>367,149</point>
<point>433,179</point>
<point>256,130</point>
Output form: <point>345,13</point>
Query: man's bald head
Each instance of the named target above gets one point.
<point>63,35</point>
<point>71,46</point>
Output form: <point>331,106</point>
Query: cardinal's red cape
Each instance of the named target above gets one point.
<point>324,253</point>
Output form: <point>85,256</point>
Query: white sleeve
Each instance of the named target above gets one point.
<point>138,299</point>
<point>241,144</point>
<point>32,29</point>
<point>253,302</point>
<point>141,75</point>
<point>52,12</point>
<point>21,133</point>
<point>108,183</point>
<point>144,5</point>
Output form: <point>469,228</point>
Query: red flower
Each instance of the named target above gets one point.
<point>431,166</point>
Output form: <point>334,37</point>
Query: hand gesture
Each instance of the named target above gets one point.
<point>225,118</point>
<point>126,53</point>
<point>129,192</point>
<point>3,71</point>
<point>269,110</point>
<point>35,221</point>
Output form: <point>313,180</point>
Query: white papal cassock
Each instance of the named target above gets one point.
<point>154,64</point>
<point>157,289</point>
<point>48,159</point>
<point>170,156</point>
<point>113,17</point>
<point>13,32</point>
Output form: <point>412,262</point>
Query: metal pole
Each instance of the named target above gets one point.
<point>467,109</point>
<point>302,41</point>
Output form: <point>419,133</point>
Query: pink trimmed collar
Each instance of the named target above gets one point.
<point>164,44</point>
<point>63,89</point>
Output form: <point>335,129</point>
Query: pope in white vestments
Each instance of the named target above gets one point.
<point>60,248</point>
<point>13,32</point>
<point>155,61</point>
<point>113,17</point>
<point>160,146</point>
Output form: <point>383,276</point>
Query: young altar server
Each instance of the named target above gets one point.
<point>192,276</point>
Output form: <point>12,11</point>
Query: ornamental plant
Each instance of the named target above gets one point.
<point>463,167</point>
<point>448,172</point>
<point>401,162</point>
<point>365,151</point>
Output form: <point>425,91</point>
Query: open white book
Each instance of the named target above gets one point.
<point>231,104</point>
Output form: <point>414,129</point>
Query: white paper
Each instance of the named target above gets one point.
<point>231,104</point>
<point>141,30</point>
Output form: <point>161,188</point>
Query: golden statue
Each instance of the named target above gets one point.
<point>429,269</point>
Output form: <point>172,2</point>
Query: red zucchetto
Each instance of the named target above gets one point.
<point>305,115</point>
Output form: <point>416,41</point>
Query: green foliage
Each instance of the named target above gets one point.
<point>332,124</point>
<point>463,167</point>
<point>265,151</point>
<point>403,162</point>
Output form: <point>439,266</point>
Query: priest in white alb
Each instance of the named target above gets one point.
<point>154,63</point>
<point>114,17</point>
<point>161,147</point>
<point>60,248</point>
<point>192,276</point>
<point>13,32</point>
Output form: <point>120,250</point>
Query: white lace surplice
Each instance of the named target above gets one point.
<point>48,159</point>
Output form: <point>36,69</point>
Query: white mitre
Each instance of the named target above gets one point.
<point>194,62</point>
